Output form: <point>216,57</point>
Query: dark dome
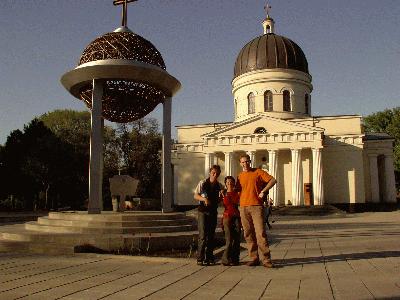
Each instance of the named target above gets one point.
<point>122,45</point>
<point>270,51</point>
<point>123,100</point>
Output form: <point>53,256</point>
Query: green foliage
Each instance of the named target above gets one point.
<point>45,166</point>
<point>37,168</point>
<point>387,121</point>
<point>139,145</point>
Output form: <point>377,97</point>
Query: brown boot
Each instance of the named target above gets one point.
<point>268,264</point>
<point>253,263</point>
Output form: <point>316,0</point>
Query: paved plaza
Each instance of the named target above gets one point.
<point>355,256</point>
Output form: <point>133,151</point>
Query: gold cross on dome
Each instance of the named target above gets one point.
<point>124,4</point>
<point>267,8</point>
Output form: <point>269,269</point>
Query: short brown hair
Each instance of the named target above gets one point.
<point>217,169</point>
<point>244,155</point>
<point>229,177</point>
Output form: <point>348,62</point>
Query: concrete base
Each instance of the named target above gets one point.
<point>69,232</point>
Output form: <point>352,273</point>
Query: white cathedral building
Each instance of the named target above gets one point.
<point>316,159</point>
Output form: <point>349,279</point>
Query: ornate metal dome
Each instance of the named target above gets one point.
<point>123,100</point>
<point>270,51</point>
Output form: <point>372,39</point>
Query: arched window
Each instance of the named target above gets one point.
<point>286,101</point>
<point>251,103</point>
<point>261,130</point>
<point>306,103</point>
<point>268,105</point>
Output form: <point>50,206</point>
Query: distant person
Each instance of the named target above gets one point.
<point>207,193</point>
<point>252,185</point>
<point>231,222</point>
<point>268,210</point>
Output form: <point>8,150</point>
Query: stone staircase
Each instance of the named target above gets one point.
<point>69,232</point>
<point>313,210</point>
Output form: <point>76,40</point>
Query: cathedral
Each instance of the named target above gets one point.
<point>316,160</point>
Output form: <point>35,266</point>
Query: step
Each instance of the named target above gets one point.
<point>114,224</point>
<point>20,240</point>
<point>13,246</point>
<point>34,226</point>
<point>116,216</point>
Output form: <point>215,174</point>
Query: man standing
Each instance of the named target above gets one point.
<point>207,193</point>
<point>253,184</point>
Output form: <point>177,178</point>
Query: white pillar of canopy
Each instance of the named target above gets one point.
<point>122,69</point>
<point>166,172</point>
<point>95,205</point>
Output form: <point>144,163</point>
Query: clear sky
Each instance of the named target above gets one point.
<point>352,47</point>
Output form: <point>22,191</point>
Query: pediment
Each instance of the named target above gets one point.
<point>260,123</point>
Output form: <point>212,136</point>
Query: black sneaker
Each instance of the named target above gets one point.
<point>200,263</point>
<point>209,262</point>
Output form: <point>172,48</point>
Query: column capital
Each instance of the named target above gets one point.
<point>372,155</point>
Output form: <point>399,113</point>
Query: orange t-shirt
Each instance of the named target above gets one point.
<point>250,184</point>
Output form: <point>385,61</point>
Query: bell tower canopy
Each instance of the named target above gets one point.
<point>269,23</point>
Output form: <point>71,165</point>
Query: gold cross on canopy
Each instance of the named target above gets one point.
<point>124,4</point>
<point>267,8</point>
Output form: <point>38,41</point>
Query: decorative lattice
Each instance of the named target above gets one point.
<point>122,45</point>
<point>125,101</point>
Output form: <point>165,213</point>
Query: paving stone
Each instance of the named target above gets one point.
<point>351,257</point>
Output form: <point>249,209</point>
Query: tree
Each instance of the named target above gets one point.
<point>140,145</point>
<point>46,164</point>
<point>387,121</point>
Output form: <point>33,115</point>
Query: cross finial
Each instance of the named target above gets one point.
<point>124,9</point>
<point>267,8</point>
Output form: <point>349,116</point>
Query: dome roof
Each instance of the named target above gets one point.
<point>270,51</point>
<point>122,45</point>
<point>123,100</point>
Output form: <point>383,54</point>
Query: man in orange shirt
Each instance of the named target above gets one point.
<point>253,184</point>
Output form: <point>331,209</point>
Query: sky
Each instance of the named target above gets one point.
<point>352,48</point>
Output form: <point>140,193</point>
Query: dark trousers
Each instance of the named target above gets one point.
<point>232,240</point>
<point>207,221</point>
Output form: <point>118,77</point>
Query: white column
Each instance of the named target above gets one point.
<point>374,177</point>
<point>95,205</point>
<point>390,183</point>
<point>229,164</point>
<point>166,171</point>
<point>296,189</point>
<point>208,163</point>
<point>252,155</point>
<point>273,169</point>
<point>318,187</point>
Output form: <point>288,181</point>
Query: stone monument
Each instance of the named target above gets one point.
<point>122,186</point>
